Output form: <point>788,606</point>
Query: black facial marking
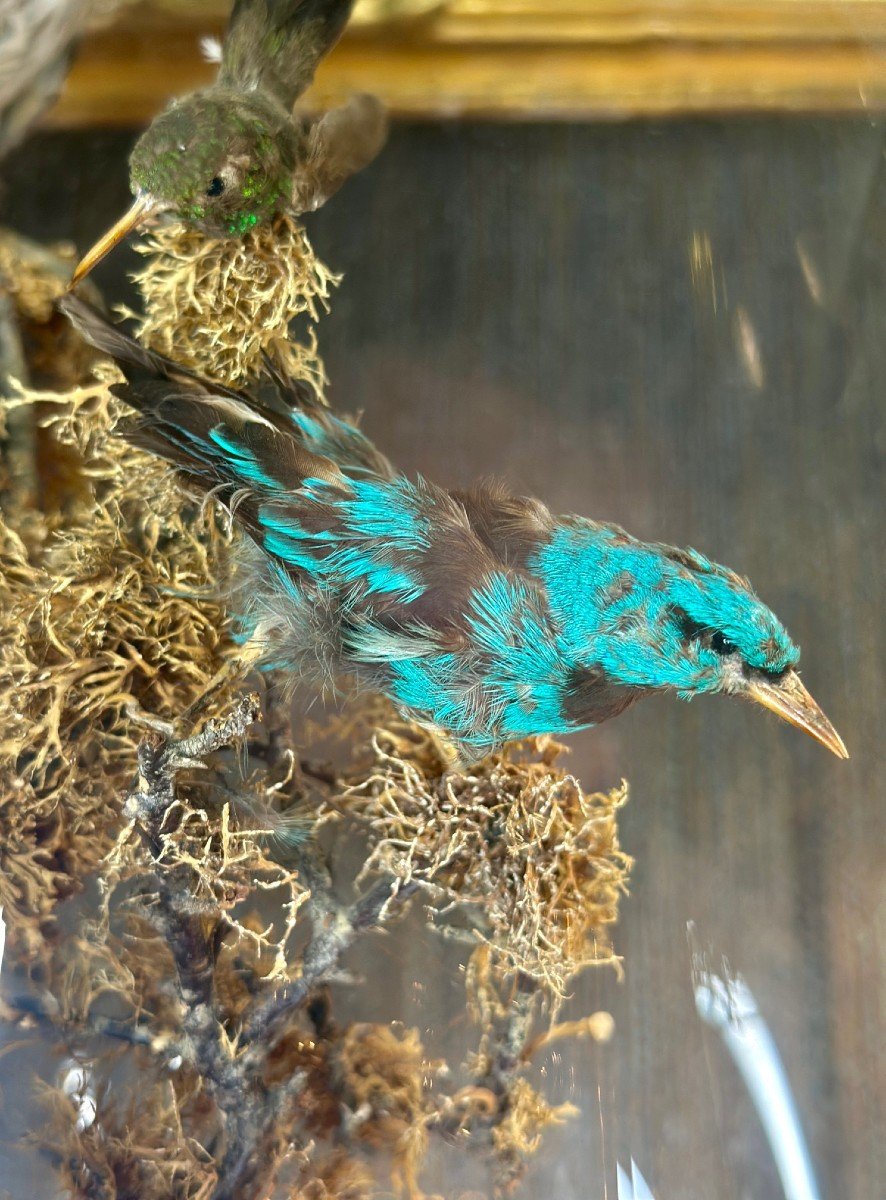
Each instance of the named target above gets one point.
<point>709,639</point>
<point>216,187</point>
<point>721,644</point>
<point>689,630</point>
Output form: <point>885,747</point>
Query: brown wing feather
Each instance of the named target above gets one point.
<point>180,413</point>
<point>511,527</point>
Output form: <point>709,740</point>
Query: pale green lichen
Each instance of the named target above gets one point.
<point>219,304</point>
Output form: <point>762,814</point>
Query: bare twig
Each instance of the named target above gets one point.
<point>45,1011</point>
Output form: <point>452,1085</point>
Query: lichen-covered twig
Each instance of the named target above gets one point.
<point>249,1114</point>
<point>236,1078</point>
<point>338,930</point>
<point>186,932</point>
<point>514,845</point>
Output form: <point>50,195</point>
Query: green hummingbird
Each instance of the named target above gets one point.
<point>231,156</point>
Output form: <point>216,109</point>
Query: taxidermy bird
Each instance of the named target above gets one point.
<point>232,156</point>
<point>479,613</point>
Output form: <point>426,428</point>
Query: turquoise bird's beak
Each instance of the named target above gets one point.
<point>788,697</point>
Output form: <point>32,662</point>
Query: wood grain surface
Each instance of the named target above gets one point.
<point>531,59</point>
<point>678,327</point>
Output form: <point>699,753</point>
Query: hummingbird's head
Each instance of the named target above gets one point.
<point>222,161</point>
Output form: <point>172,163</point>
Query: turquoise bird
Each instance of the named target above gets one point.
<point>479,613</point>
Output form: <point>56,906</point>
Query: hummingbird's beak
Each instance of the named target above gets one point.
<point>789,698</point>
<point>142,208</point>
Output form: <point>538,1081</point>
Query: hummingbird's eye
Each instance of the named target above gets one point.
<point>721,644</point>
<point>216,187</point>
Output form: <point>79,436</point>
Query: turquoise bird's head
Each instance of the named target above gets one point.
<point>647,616</point>
<point>652,616</point>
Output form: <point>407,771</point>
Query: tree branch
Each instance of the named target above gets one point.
<point>338,931</point>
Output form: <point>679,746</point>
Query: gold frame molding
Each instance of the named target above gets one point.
<point>523,59</point>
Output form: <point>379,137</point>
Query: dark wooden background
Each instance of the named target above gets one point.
<point>522,301</point>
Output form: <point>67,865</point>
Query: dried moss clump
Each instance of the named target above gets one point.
<point>33,275</point>
<point>226,855</point>
<point>514,845</point>
<point>106,609</point>
<point>218,304</point>
<point>143,1148</point>
<point>337,1176</point>
<point>519,1134</point>
<point>37,347</point>
<point>385,1074</point>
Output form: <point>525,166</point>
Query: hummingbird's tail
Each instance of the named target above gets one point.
<point>275,45</point>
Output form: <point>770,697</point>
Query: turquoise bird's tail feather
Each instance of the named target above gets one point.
<point>220,435</point>
<point>220,439</point>
<point>310,490</point>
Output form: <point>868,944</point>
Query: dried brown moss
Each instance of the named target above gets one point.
<point>34,276</point>
<point>141,1148</point>
<point>219,304</point>
<point>105,610</point>
<point>335,1176</point>
<point>518,1135</point>
<point>225,854</point>
<point>385,1077</point>
<point>513,844</point>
